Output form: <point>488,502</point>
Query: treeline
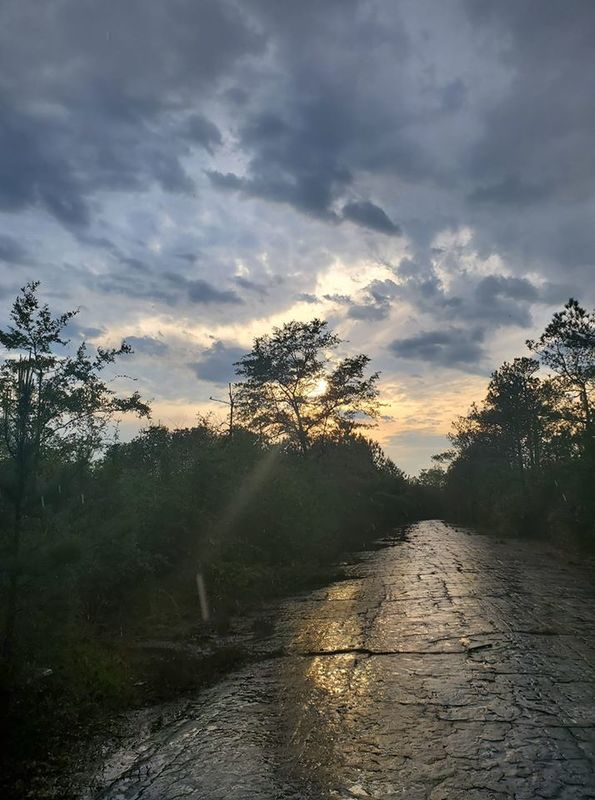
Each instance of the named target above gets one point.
<point>523,460</point>
<point>112,555</point>
<point>106,544</point>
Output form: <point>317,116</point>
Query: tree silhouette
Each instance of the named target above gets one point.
<point>517,406</point>
<point>567,346</point>
<point>293,391</point>
<point>524,458</point>
<point>51,403</point>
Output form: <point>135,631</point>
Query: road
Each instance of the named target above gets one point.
<point>448,665</point>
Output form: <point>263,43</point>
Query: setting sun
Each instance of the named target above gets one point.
<point>320,387</point>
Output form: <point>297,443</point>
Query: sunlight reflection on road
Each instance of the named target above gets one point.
<point>320,686</point>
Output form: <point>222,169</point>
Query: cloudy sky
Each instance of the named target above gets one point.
<point>193,172</point>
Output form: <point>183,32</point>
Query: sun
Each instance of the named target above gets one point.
<point>320,387</point>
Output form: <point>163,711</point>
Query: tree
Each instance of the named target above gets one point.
<point>567,346</point>
<point>433,477</point>
<point>517,407</point>
<point>293,391</point>
<point>51,402</point>
<point>514,425</point>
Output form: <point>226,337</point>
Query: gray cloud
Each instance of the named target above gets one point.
<point>306,297</point>
<point>143,283</point>
<point>251,286</point>
<point>90,110</point>
<point>216,365</point>
<point>369,215</point>
<point>79,332</point>
<point>201,130</point>
<point>509,191</point>
<point>491,300</point>
<point>370,312</point>
<point>494,286</point>
<point>95,110</point>
<point>147,345</point>
<point>536,150</point>
<point>138,142</point>
<point>342,299</point>
<point>453,347</point>
<point>35,172</point>
<point>12,251</point>
<point>202,292</point>
<point>377,301</point>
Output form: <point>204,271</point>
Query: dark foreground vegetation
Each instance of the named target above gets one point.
<point>105,546</point>
<point>523,460</point>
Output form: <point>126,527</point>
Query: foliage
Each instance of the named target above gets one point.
<point>523,460</point>
<point>54,406</point>
<point>53,401</point>
<point>109,539</point>
<point>567,346</point>
<point>293,392</point>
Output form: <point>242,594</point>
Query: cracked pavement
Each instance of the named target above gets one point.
<point>448,665</point>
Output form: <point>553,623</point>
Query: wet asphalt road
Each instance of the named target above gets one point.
<point>449,665</point>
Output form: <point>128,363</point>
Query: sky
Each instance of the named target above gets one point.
<point>191,173</point>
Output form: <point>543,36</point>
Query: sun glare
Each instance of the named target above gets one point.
<point>320,387</point>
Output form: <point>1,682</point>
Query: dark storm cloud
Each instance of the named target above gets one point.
<point>499,300</point>
<point>536,149</point>
<point>452,347</point>
<point>87,91</point>
<point>527,144</point>
<point>225,180</point>
<point>200,291</point>
<point>35,169</point>
<point>369,215</point>
<point>96,109</point>
<point>382,290</point>
<point>555,294</point>
<point>311,193</point>
<point>323,117</point>
<point>476,117</point>
<point>217,363</point>
<point>132,57</point>
<point>538,135</point>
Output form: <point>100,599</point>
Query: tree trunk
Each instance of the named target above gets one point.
<point>586,407</point>
<point>302,436</point>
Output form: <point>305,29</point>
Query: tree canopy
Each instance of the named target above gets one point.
<point>567,346</point>
<point>50,398</point>
<point>54,403</point>
<point>294,389</point>
<point>524,457</point>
